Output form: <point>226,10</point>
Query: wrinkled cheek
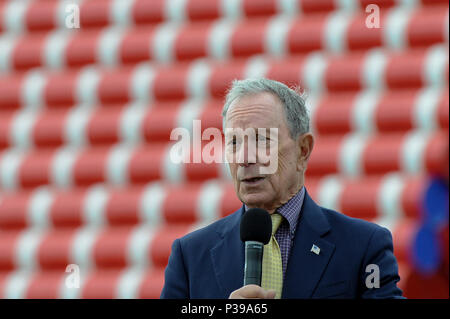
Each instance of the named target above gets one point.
<point>269,160</point>
<point>283,165</point>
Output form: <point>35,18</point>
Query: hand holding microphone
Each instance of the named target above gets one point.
<point>256,230</point>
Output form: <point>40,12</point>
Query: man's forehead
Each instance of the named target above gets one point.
<point>262,110</point>
<point>231,131</point>
<point>263,101</point>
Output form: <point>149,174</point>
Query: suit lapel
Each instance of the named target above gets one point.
<point>228,257</point>
<point>305,267</point>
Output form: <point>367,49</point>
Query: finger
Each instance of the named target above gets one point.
<point>253,291</point>
<point>249,291</point>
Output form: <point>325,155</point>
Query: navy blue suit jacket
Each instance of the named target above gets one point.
<point>209,262</point>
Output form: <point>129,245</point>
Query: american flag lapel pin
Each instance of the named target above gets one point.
<point>315,249</point>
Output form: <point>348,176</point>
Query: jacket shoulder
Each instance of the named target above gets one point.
<point>355,233</point>
<point>340,220</point>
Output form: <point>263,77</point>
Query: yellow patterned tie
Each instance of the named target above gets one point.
<point>272,268</point>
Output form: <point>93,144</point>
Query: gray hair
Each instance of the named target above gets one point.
<point>293,101</point>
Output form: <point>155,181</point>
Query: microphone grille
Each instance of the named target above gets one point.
<point>256,225</point>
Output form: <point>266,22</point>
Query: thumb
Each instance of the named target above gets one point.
<point>270,294</point>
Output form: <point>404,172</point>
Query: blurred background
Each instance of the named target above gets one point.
<point>90,91</point>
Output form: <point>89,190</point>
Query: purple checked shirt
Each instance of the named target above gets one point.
<point>285,233</point>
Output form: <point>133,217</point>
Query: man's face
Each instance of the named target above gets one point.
<point>260,112</point>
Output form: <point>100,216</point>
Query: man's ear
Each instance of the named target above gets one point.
<point>305,147</point>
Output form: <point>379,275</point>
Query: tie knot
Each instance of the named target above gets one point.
<point>276,221</point>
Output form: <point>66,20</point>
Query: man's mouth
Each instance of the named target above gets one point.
<point>253,180</point>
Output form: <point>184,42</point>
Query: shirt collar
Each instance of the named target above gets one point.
<point>291,209</point>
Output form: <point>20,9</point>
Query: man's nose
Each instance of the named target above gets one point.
<point>247,154</point>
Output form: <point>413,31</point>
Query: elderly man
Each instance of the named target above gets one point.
<point>319,253</point>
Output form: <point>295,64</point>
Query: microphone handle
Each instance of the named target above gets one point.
<point>253,262</point>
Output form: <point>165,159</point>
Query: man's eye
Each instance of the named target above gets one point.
<point>232,142</point>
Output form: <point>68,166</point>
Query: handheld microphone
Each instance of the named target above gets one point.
<point>256,230</point>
